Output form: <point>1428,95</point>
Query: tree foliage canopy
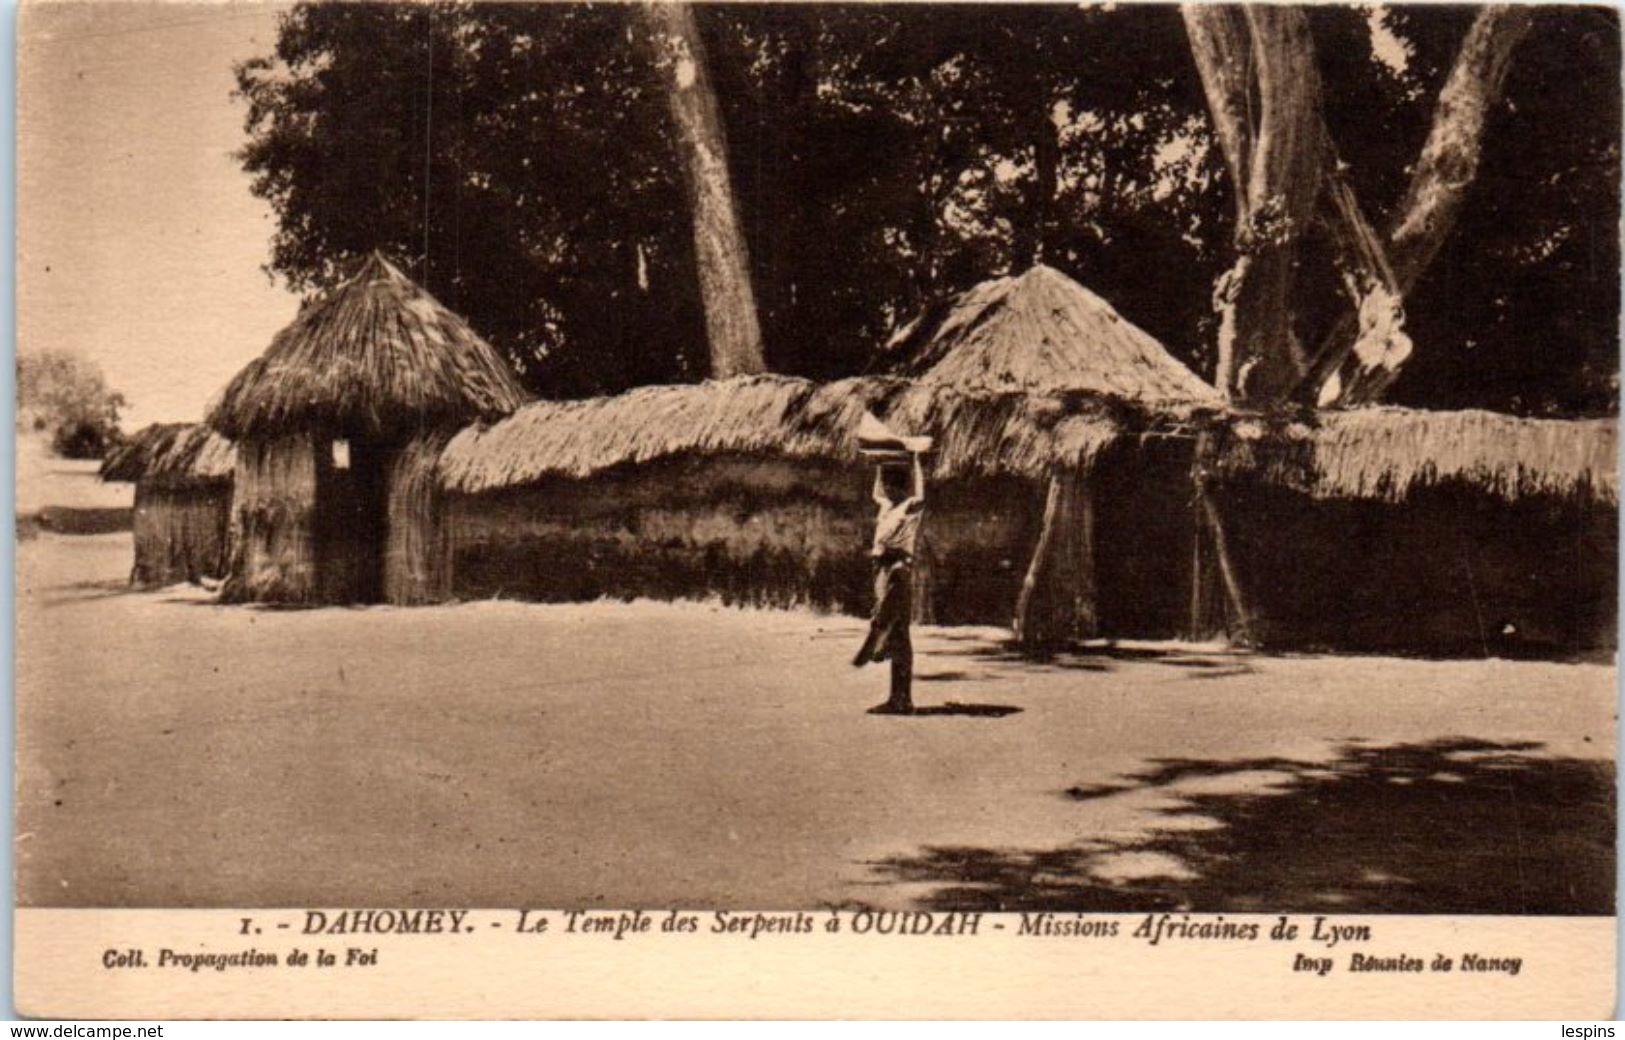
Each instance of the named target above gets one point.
<point>64,396</point>
<point>520,157</point>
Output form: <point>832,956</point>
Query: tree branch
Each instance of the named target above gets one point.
<point>1219,43</point>
<point>1443,174</point>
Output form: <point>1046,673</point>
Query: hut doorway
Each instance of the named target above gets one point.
<point>1145,526</point>
<point>351,522</point>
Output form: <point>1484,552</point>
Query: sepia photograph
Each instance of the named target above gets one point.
<point>1127,467</point>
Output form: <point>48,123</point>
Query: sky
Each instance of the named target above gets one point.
<point>139,243</point>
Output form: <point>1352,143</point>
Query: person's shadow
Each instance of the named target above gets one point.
<point>985,711</point>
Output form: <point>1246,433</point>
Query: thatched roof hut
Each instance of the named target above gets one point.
<point>172,455</point>
<point>1040,334</point>
<point>378,355</point>
<point>1019,375</point>
<point>334,423</point>
<point>752,485</point>
<point>183,475</point>
<point>1043,332</point>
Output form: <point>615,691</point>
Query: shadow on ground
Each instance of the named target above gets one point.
<point>1453,826</point>
<point>1199,662</point>
<point>74,520</point>
<point>988,711</point>
<point>84,591</point>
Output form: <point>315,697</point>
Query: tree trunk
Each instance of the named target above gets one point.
<point>1219,43</point>
<point>731,323</point>
<point>1272,148</point>
<point>1441,179</point>
<point>1028,248</point>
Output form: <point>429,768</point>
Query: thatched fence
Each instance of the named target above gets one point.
<point>1399,530</point>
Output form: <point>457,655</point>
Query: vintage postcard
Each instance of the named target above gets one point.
<point>816,510</point>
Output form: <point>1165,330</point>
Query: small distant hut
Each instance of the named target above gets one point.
<point>182,476</point>
<point>337,427</point>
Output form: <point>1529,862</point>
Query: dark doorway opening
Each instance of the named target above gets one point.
<point>1145,530</point>
<point>351,519</point>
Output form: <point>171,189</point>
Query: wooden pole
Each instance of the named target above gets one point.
<point>925,611</point>
<point>1241,626</point>
<point>1057,602</point>
<point>1195,630</point>
<point>1209,534</point>
<point>1085,602</point>
<point>1201,625</point>
<point>1029,629</point>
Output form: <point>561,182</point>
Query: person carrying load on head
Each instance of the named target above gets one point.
<point>901,508</point>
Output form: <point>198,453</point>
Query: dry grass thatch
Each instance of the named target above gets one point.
<point>172,455</point>
<point>180,533</point>
<point>416,552</point>
<point>1041,331</point>
<point>376,355</point>
<point>273,513</point>
<point>780,417</point>
<point>1386,453</point>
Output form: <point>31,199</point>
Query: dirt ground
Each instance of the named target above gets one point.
<point>177,753</point>
<point>45,481</point>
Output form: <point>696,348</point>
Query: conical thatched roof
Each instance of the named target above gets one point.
<point>376,355</point>
<point>1042,331</point>
<point>172,455</point>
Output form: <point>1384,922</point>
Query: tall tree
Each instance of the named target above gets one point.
<point>519,157</point>
<point>890,155</point>
<point>732,329</point>
<point>1273,151</point>
<point>524,160</point>
<point>1439,185</point>
<point>1260,75</point>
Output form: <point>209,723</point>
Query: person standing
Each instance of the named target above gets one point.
<point>897,532</point>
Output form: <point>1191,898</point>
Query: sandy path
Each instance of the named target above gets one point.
<point>173,752</point>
